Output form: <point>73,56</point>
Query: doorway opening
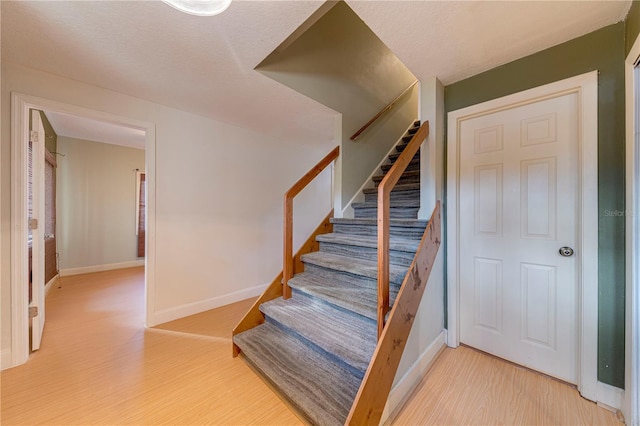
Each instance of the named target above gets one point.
<point>100,159</point>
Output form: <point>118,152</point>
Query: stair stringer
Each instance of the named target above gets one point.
<point>347,211</point>
<point>368,406</point>
<point>254,317</point>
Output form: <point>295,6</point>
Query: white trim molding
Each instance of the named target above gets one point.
<point>405,386</point>
<point>586,87</point>
<point>100,268</point>
<point>187,309</point>
<point>610,397</point>
<point>20,106</point>
<point>631,406</point>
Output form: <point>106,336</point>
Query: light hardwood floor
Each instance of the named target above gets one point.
<point>98,365</point>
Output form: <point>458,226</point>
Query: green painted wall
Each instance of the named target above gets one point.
<point>602,50</point>
<point>632,26</point>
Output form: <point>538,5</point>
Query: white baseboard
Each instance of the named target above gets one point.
<point>610,397</point>
<point>6,359</point>
<point>50,284</point>
<point>412,378</point>
<point>368,183</point>
<point>170,314</point>
<point>100,268</point>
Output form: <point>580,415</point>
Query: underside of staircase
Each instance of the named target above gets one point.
<point>315,347</point>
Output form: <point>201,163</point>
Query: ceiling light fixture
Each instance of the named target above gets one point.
<point>199,7</point>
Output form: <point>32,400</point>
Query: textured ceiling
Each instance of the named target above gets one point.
<point>149,50</point>
<point>73,126</point>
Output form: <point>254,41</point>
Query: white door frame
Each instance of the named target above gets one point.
<point>20,106</point>
<point>586,87</point>
<point>631,408</point>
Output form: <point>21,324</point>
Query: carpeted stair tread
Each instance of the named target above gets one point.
<point>396,243</point>
<point>406,175</point>
<point>406,223</point>
<point>401,250</point>
<point>343,335</point>
<point>396,204</point>
<point>317,386</point>
<point>393,157</point>
<point>352,266</point>
<point>355,298</point>
<point>413,165</point>
<point>406,228</point>
<point>403,208</point>
<point>398,188</point>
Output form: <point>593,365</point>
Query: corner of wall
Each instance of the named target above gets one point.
<point>6,359</point>
<point>432,158</point>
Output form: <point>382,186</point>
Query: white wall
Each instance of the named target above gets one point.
<point>218,196</point>
<point>96,203</point>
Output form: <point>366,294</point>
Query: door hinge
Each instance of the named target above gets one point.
<point>33,223</point>
<point>33,311</point>
<point>34,136</point>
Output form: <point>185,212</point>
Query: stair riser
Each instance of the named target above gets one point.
<point>394,212</point>
<point>404,179</point>
<point>394,196</point>
<point>399,231</point>
<point>359,280</point>
<point>396,155</point>
<point>414,165</point>
<point>402,258</point>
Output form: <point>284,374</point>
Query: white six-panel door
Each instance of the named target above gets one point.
<point>518,206</point>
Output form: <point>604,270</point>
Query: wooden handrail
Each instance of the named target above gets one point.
<point>382,111</point>
<point>384,191</point>
<point>287,267</point>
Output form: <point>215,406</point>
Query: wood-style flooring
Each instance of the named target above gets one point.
<point>98,365</point>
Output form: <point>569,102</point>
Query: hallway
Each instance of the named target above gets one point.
<point>98,365</point>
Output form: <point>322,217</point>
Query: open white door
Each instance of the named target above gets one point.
<point>36,228</point>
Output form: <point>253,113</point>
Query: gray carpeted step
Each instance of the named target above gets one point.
<point>393,157</point>
<point>406,228</point>
<point>343,336</point>
<point>402,209</point>
<point>411,176</point>
<point>407,191</point>
<point>342,294</point>
<point>413,165</point>
<point>317,386</point>
<point>337,267</point>
<point>401,250</point>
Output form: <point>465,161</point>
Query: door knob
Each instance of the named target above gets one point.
<point>566,251</point>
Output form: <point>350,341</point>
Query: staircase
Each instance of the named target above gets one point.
<point>316,347</point>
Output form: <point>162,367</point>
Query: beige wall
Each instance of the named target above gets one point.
<point>218,196</point>
<point>96,203</point>
<point>342,64</point>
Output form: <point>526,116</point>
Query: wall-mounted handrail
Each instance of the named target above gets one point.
<point>389,106</point>
<point>287,267</point>
<point>384,191</point>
